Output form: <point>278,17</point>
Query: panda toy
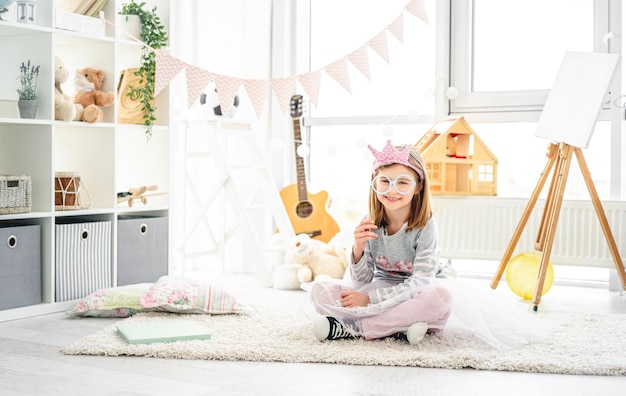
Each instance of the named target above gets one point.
<point>212,101</point>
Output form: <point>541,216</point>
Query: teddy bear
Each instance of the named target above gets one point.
<point>64,108</point>
<point>308,259</point>
<point>89,94</point>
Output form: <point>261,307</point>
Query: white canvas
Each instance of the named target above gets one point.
<point>574,103</point>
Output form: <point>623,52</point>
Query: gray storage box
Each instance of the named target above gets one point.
<point>142,251</point>
<point>20,266</point>
<point>83,259</point>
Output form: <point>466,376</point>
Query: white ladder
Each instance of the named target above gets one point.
<point>259,195</point>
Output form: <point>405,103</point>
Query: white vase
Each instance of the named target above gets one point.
<point>127,27</point>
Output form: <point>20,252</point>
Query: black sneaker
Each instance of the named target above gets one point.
<point>400,336</point>
<point>414,334</point>
<point>329,328</point>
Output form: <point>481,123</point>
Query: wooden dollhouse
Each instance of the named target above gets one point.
<point>458,161</point>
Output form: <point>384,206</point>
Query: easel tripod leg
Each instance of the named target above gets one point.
<point>597,204</point>
<point>551,154</point>
<point>551,214</point>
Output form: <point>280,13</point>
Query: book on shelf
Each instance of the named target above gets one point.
<point>84,7</point>
<point>96,8</point>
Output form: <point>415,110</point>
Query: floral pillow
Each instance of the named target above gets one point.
<point>183,295</point>
<point>115,302</point>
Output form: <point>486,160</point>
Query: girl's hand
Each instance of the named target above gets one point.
<point>351,298</point>
<point>363,233</point>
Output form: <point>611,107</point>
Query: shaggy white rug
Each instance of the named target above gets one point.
<point>591,344</point>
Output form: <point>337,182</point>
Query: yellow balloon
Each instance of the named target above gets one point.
<point>522,272</point>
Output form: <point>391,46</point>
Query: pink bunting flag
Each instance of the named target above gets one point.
<point>197,80</point>
<point>257,92</point>
<point>311,84</point>
<point>397,28</point>
<point>283,90</point>
<point>167,67</point>
<point>226,88</point>
<point>338,70</point>
<point>417,8</point>
<point>360,60</point>
<point>379,45</point>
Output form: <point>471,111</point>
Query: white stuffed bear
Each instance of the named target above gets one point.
<point>64,108</point>
<point>308,259</point>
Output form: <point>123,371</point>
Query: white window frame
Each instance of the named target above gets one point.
<point>452,63</point>
<point>506,105</point>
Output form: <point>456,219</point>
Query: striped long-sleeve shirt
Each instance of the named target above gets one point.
<point>409,259</point>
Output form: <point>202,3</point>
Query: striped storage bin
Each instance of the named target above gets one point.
<point>83,259</point>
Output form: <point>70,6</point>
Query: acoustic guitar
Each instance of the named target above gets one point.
<point>307,212</point>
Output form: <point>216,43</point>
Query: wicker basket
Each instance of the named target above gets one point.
<point>15,194</point>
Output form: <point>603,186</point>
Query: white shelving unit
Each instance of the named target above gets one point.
<point>109,157</point>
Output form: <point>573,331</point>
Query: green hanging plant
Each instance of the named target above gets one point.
<point>153,34</point>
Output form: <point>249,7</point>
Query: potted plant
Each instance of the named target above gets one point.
<point>27,91</point>
<point>154,36</point>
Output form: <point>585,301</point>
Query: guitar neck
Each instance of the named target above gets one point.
<point>303,195</point>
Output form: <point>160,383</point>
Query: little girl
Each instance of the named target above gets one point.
<point>397,284</point>
<point>394,260</point>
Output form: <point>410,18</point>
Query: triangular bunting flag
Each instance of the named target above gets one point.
<point>167,67</point>
<point>417,8</point>
<point>338,70</point>
<point>311,84</point>
<point>397,28</point>
<point>283,90</point>
<point>360,60</point>
<point>257,92</point>
<point>226,88</point>
<point>197,80</point>
<point>379,45</point>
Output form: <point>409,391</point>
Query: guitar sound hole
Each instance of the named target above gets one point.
<point>304,209</point>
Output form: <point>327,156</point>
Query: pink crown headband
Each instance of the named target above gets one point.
<point>390,155</point>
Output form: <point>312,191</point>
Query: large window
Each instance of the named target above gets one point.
<point>505,54</point>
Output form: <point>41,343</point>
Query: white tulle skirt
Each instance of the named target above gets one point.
<point>501,322</point>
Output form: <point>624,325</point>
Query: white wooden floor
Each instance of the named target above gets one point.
<point>31,364</point>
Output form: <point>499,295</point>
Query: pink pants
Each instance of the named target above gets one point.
<point>431,305</point>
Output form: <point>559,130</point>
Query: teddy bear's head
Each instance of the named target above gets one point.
<point>304,246</point>
<point>315,258</point>
<point>61,74</point>
<point>89,79</point>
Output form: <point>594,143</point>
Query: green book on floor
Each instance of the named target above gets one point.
<point>149,333</point>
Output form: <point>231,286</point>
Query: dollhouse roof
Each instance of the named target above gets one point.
<point>438,133</point>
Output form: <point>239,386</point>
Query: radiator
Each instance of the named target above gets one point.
<point>83,259</point>
<point>482,227</point>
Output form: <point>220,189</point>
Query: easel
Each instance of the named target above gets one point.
<point>569,117</point>
<point>561,156</point>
